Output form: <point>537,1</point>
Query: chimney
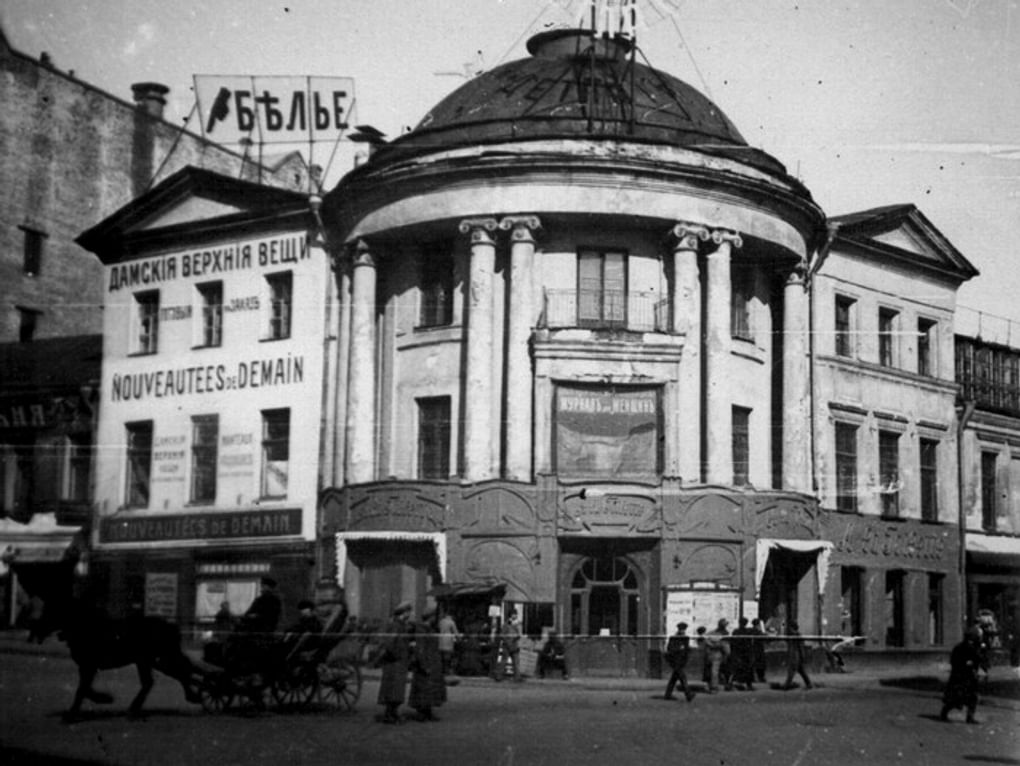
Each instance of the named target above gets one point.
<point>150,97</point>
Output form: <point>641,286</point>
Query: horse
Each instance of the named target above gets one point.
<point>98,641</point>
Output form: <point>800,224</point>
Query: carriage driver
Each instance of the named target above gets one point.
<point>264,613</point>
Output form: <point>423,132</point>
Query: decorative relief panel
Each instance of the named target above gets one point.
<point>610,515</point>
<point>707,563</point>
<point>396,508</point>
<point>510,562</point>
<point>786,518</point>
<point>711,515</point>
<point>498,511</point>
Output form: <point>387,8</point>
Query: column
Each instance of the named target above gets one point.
<point>686,308</point>
<point>479,437</point>
<point>718,399</point>
<point>362,373</point>
<point>519,386</point>
<point>796,386</point>
<point>336,418</point>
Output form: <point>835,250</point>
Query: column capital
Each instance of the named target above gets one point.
<point>521,227</point>
<point>480,229</point>
<point>687,235</point>
<point>798,276</point>
<point>719,236</point>
<point>360,254</point>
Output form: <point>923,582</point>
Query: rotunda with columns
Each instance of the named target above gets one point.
<point>570,359</point>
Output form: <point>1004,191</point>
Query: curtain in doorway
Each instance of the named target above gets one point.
<point>765,545</point>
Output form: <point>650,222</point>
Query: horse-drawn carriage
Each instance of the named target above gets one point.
<point>294,670</point>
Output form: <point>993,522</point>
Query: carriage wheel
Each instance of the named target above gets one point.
<point>294,688</point>
<point>215,696</point>
<point>339,683</point>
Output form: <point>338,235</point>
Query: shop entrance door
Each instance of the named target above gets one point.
<point>789,590</point>
<point>382,573</point>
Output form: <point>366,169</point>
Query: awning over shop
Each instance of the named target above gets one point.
<point>1003,544</point>
<point>42,540</point>
<point>438,540</point>
<point>766,545</point>
<point>484,587</point>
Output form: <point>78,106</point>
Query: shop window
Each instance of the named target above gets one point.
<point>989,491</point>
<point>887,319</point>
<point>889,472</point>
<point>146,322</point>
<point>281,295</point>
<point>436,285</point>
<point>929,471</point>
<point>32,252</point>
<point>926,344</point>
<point>537,617</point>
<point>894,611</point>
<point>742,292</point>
<point>604,598</point>
<point>936,584</point>
<point>434,438</point>
<point>741,445</point>
<point>844,326</point>
<point>275,452</point>
<point>852,606</point>
<point>601,289</point>
<point>211,303</point>
<point>608,432</point>
<point>205,431</point>
<point>846,467</point>
<point>78,466</point>
<point>139,463</point>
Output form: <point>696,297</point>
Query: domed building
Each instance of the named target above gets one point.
<point>572,369</point>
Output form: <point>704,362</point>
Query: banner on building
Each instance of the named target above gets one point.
<point>273,109</point>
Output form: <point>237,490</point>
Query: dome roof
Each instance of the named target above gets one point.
<point>574,86</point>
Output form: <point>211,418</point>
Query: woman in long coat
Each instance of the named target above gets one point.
<point>394,656</point>
<point>428,686</point>
<point>964,663</point>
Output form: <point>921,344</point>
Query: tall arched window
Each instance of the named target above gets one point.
<point>604,596</point>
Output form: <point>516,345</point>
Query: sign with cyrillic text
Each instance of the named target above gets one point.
<point>274,108</point>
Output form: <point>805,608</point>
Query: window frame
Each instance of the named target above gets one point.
<point>281,305</point>
<point>989,490</point>
<point>742,284</point>
<point>927,346</point>
<point>210,314</point>
<point>437,269</point>
<point>889,471</point>
<point>613,318</point>
<point>33,251</point>
<point>270,442</point>
<point>845,460</point>
<point>741,438</point>
<point>888,319</point>
<point>843,326</point>
<point>138,449</point>
<point>204,473</point>
<point>146,323</point>
<point>435,434</point>
<point>928,473</point>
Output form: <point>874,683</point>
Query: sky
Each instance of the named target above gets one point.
<point>868,102</point>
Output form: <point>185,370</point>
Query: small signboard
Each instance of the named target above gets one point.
<point>700,608</point>
<point>161,595</point>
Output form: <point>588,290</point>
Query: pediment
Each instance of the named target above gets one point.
<point>190,210</point>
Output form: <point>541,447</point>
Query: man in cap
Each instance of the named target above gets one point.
<point>264,613</point>
<point>964,663</point>
<point>428,687</point>
<point>393,659</point>
<point>677,649</point>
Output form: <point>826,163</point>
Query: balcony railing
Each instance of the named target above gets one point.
<point>602,309</point>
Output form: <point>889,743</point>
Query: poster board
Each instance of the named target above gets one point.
<point>700,607</point>
<point>161,595</point>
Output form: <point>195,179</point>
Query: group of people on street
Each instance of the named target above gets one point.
<point>413,648</point>
<point>732,660</point>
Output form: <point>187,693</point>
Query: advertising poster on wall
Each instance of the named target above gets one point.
<point>700,608</point>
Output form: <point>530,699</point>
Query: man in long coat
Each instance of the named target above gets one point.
<point>964,663</point>
<point>394,656</point>
<point>428,686</point>
<point>677,649</point>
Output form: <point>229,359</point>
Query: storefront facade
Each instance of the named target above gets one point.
<point>214,321</point>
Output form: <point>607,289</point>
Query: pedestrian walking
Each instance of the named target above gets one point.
<point>509,648</point>
<point>741,659</point>
<point>758,649</point>
<point>428,687</point>
<point>706,666</point>
<point>718,648</point>
<point>964,663</point>
<point>677,649</point>
<point>448,637</point>
<point>393,659</point>
<point>795,656</point>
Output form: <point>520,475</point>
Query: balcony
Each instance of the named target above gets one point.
<point>606,310</point>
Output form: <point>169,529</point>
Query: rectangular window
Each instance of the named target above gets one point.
<point>434,438</point>
<point>601,289</point>
<point>894,608</point>
<point>147,322</point>
<point>275,452</point>
<point>33,252</point>
<point>211,298</point>
<point>436,285</point>
<point>139,463</point>
<point>741,445</point>
<point>280,304</point>
<point>887,337</point>
<point>929,480</point>
<point>742,281</point>
<point>925,346</point>
<point>846,467</point>
<point>989,492</point>
<point>205,432</point>
<point>844,326</point>
<point>889,472</point>
<point>78,466</point>
<point>28,323</point>
<point>936,635</point>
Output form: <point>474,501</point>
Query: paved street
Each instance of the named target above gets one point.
<point>849,719</point>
